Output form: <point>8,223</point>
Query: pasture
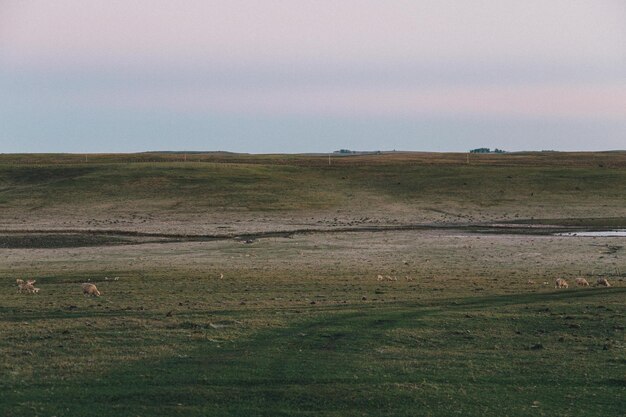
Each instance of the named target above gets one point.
<point>296,322</point>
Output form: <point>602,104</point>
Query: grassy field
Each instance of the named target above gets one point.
<point>158,192</point>
<point>469,325</point>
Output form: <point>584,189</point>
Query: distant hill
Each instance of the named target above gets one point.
<point>391,186</point>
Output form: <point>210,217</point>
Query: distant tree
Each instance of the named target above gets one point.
<point>486,150</point>
<point>480,150</point>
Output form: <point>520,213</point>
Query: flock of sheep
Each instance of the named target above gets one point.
<point>581,282</point>
<point>28,287</point>
<point>560,282</point>
<point>90,290</point>
<point>390,278</point>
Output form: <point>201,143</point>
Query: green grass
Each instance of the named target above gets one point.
<point>167,186</point>
<point>490,186</point>
<point>524,188</point>
<point>462,356</point>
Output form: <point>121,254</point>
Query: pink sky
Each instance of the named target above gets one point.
<point>556,59</point>
<point>592,102</point>
<point>71,32</point>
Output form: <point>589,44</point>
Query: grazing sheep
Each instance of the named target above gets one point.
<point>561,283</point>
<point>603,281</point>
<point>26,287</point>
<point>30,287</point>
<point>582,282</point>
<point>386,278</point>
<point>90,290</point>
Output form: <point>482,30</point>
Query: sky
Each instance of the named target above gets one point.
<point>264,76</point>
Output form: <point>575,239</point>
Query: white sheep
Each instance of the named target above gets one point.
<point>561,283</point>
<point>90,290</point>
<point>582,282</point>
<point>26,287</point>
<point>603,281</point>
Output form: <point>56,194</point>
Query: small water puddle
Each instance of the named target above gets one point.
<point>601,233</point>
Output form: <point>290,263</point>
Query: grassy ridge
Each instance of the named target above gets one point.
<point>263,184</point>
<point>615,159</point>
<point>256,187</point>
